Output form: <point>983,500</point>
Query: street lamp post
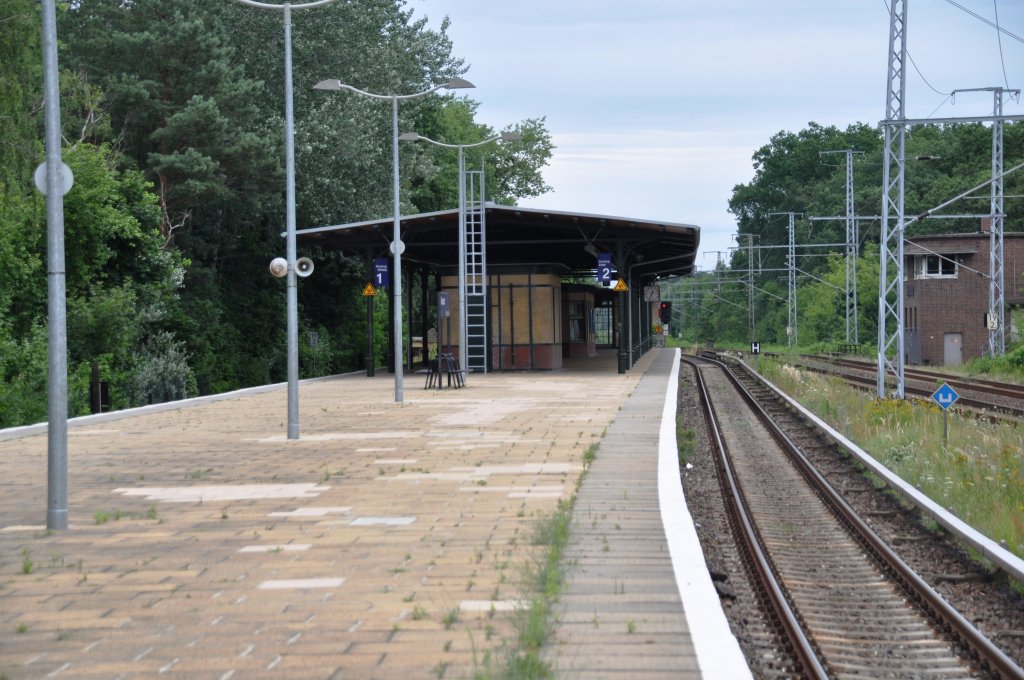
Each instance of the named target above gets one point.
<point>504,137</point>
<point>292,295</point>
<point>396,242</point>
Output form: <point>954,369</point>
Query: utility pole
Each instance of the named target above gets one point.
<point>997,289</point>
<point>852,247</point>
<point>718,267</point>
<point>791,329</point>
<point>890,282</point>
<point>750,283</point>
<point>996,317</point>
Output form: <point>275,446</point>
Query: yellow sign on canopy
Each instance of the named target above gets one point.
<point>369,291</point>
<point>621,286</point>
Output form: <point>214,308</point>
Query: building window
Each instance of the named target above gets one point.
<point>576,321</point>
<point>936,266</point>
<point>603,323</point>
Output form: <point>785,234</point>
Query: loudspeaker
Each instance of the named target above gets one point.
<point>279,267</point>
<point>303,266</point>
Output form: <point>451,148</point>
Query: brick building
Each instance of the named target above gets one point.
<point>946,293</point>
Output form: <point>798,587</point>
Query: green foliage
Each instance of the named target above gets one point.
<point>172,116</point>
<point>976,472</point>
<point>794,172</point>
<point>511,169</point>
<point>161,372</point>
<point>23,367</point>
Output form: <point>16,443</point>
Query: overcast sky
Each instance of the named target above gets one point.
<point>656,106</point>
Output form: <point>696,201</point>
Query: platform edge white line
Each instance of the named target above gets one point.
<point>718,652</point>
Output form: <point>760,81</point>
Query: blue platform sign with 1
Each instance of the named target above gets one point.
<point>604,268</point>
<point>380,272</point>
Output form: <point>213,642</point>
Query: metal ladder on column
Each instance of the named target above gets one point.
<point>476,274</point>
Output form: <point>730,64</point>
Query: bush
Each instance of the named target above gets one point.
<point>161,372</point>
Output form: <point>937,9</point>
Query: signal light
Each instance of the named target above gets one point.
<point>665,312</point>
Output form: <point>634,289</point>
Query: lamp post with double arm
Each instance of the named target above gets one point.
<point>396,242</point>
<point>503,137</point>
<point>289,136</point>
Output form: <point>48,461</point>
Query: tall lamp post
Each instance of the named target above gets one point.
<point>292,296</point>
<point>396,242</point>
<point>504,137</point>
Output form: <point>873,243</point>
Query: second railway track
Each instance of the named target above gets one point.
<point>861,614</point>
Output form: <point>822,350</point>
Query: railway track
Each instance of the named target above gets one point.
<point>988,397</point>
<point>846,603</point>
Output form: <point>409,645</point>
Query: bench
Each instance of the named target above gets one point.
<point>445,364</point>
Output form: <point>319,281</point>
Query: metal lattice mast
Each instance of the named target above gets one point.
<point>852,249</point>
<point>791,330</point>
<point>791,300</point>
<point>890,282</point>
<point>750,284</point>
<point>996,289</point>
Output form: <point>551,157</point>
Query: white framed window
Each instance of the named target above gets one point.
<point>936,266</point>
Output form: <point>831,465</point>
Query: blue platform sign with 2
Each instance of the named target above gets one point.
<point>380,272</point>
<point>945,396</point>
<point>604,267</point>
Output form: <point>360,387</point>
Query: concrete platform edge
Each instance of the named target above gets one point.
<point>19,431</point>
<point>718,652</point>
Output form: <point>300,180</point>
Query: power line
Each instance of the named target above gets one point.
<point>983,19</point>
<point>925,79</point>
<point>999,39</point>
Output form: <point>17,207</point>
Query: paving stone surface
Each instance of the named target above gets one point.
<point>621,615</point>
<point>205,544</point>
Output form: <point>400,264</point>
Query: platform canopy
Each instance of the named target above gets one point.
<point>526,238</point>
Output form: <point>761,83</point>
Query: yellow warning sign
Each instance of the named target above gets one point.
<point>621,286</point>
<point>369,291</point>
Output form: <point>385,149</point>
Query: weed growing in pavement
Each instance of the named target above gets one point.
<point>101,516</point>
<point>546,577</point>
<point>977,473</point>
<point>450,618</point>
<point>26,562</point>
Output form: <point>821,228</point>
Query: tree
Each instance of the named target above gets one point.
<point>188,117</point>
<point>20,205</point>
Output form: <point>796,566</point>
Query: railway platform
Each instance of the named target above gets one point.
<point>386,542</point>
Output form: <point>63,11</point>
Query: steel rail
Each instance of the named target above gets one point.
<point>985,651</point>
<point>986,409</point>
<point>802,647</point>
